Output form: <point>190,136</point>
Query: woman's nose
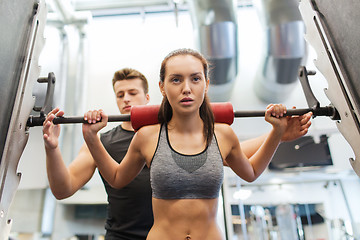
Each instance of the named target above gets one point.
<point>186,87</point>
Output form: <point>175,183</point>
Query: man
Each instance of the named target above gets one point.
<point>129,209</point>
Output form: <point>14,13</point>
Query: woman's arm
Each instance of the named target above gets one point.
<point>250,168</point>
<point>117,175</point>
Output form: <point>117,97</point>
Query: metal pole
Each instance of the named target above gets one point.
<point>353,224</point>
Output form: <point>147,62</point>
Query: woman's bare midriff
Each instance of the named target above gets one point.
<point>185,219</point>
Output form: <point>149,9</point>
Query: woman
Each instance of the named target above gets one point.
<point>185,152</point>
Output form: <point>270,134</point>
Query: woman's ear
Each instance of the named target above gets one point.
<point>207,85</point>
<point>161,86</point>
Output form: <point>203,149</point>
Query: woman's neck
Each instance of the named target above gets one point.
<point>187,123</point>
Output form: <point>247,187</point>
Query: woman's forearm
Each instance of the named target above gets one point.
<point>261,159</point>
<point>106,165</point>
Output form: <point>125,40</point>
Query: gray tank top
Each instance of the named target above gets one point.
<point>177,176</point>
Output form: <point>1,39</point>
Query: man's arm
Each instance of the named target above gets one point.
<point>64,181</point>
<point>297,126</point>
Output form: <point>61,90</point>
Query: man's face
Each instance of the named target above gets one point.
<point>130,93</point>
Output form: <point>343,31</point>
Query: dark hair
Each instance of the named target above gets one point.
<point>206,114</point>
<point>128,74</point>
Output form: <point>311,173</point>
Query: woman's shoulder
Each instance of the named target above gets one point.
<point>145,140</point>
<point>223,130</point>
<point>149,130</point>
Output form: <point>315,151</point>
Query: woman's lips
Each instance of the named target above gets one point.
<point>186,101</point>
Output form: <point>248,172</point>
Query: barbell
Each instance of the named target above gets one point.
<point>142,115</point>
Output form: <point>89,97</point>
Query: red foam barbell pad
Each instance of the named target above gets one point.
<point>223,112</point>
<point>142,115</point>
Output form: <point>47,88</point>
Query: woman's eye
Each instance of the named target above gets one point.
<point>196,79</point>
<point>175,80</point>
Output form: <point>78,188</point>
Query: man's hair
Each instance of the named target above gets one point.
<point>128,74</point>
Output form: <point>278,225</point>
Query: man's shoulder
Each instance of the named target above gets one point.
<point>111,131</point>
<point>116,133</point>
